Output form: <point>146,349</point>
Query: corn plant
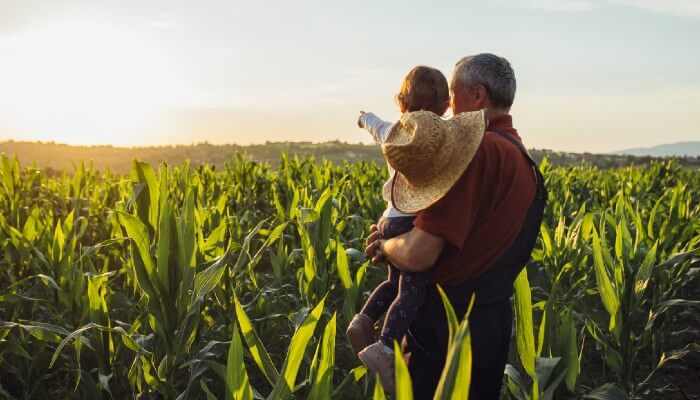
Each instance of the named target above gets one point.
<point>192,281</point>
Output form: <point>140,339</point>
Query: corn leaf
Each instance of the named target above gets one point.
<point>296,351</point>
<point>524,326</point>
<point>236,375</point>
<point>255,346</point>
<point>404,386</point>
<point>607,292</point>
<point>323,378</point>
<point>455,379</point>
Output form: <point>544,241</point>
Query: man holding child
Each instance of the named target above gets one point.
<point>475,235</point>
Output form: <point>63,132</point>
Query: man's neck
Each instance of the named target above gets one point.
<point>493,113</point>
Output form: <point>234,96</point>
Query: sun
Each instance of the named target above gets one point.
<point>81,84</point>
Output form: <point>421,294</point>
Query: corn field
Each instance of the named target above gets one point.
<point>195,283</point>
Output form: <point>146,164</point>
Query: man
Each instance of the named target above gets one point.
<point>477,238</point>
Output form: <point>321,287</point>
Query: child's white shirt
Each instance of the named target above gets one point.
<point>379,129</point>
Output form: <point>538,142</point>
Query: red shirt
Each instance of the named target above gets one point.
<point>484,211</point>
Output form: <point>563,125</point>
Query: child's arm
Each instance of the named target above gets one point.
<point>376,126</point>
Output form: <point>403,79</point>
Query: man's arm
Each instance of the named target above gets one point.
<point>414,251</point>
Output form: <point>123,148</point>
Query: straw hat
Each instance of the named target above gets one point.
<point>429,155</point>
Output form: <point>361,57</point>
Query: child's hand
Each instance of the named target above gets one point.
<point>359,119</point>
<point>373,243</point>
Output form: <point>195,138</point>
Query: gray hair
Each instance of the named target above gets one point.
<point>491,71</point>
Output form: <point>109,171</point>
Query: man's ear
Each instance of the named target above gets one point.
<point>479,95</point>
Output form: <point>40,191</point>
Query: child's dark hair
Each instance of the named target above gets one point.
<point>423,88</point>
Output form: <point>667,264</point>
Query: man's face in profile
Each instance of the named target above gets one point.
<point>459,99</point>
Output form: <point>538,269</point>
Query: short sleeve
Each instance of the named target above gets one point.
<point>453,217</point>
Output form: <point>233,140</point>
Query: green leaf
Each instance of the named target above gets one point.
<point>163,248</point>
<point>548,393</point>
<point>546,238</point>
<point>641,281</point>
<point>40,330</point>
<point>607,292</point>
<point>215,240</point>
<point>378,391</point>
<point>277,233</point>
<point>255,346</point>
<point>206,281</point>
<point>58,244</point>
<point>143,173</point>
<point>455,379</point>
<point>236,375</point>
<point>322,381</point>
<point>570,351</point>
<point>144,267</point>
<point>350,288</point>
<point>606,392</point>
<point>353,376</point>
<point>516,384</point>
<point>77,334</point>
<point>544,366</point>
<point>296,351</point>
<point>524,336</point>
<point>186,236</point>
<point>452,323</point>
<point>404,386</point>
<point>30,230</point>
<point>210,395</point>
<point>665,306</point>
<point>343,267</point>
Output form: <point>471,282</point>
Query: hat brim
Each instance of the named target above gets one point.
<point>465,137</point>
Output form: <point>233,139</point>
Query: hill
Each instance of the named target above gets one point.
<point>680,149</point>
<point>59,157</point>
<point>118,159</point>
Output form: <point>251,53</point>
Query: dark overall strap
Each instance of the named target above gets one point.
<point>541,189</point>
<point>520,147</point>
<point>517,144</point>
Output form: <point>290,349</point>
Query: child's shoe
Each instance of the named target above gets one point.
<point>379,359</point>
<point>360,332</point>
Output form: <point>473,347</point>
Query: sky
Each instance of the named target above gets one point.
<point>593,75</point>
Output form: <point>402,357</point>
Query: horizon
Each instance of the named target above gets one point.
<point>594,76</point>
<point>618,152</point>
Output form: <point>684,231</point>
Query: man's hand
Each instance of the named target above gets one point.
<point>373,244</point>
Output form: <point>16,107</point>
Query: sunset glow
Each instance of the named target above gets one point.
<point>82,84</point>
<point>593,75</point>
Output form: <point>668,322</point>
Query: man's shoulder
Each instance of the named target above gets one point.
<point>492,151</point>
<point>506,161</point>
<point>495,142</point>
<point>497,159</point>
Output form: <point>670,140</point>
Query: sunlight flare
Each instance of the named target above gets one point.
<point>82,84</point>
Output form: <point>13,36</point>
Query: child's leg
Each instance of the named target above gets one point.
<point>391,227</point>
<point>382,296</point>
<point>411,295</point>
<point>380,299</point>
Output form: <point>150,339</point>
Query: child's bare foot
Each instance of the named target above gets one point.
<point>360,332</point>
<point>380,360</point>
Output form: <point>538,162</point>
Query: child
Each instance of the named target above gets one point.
<point>401,295</point>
